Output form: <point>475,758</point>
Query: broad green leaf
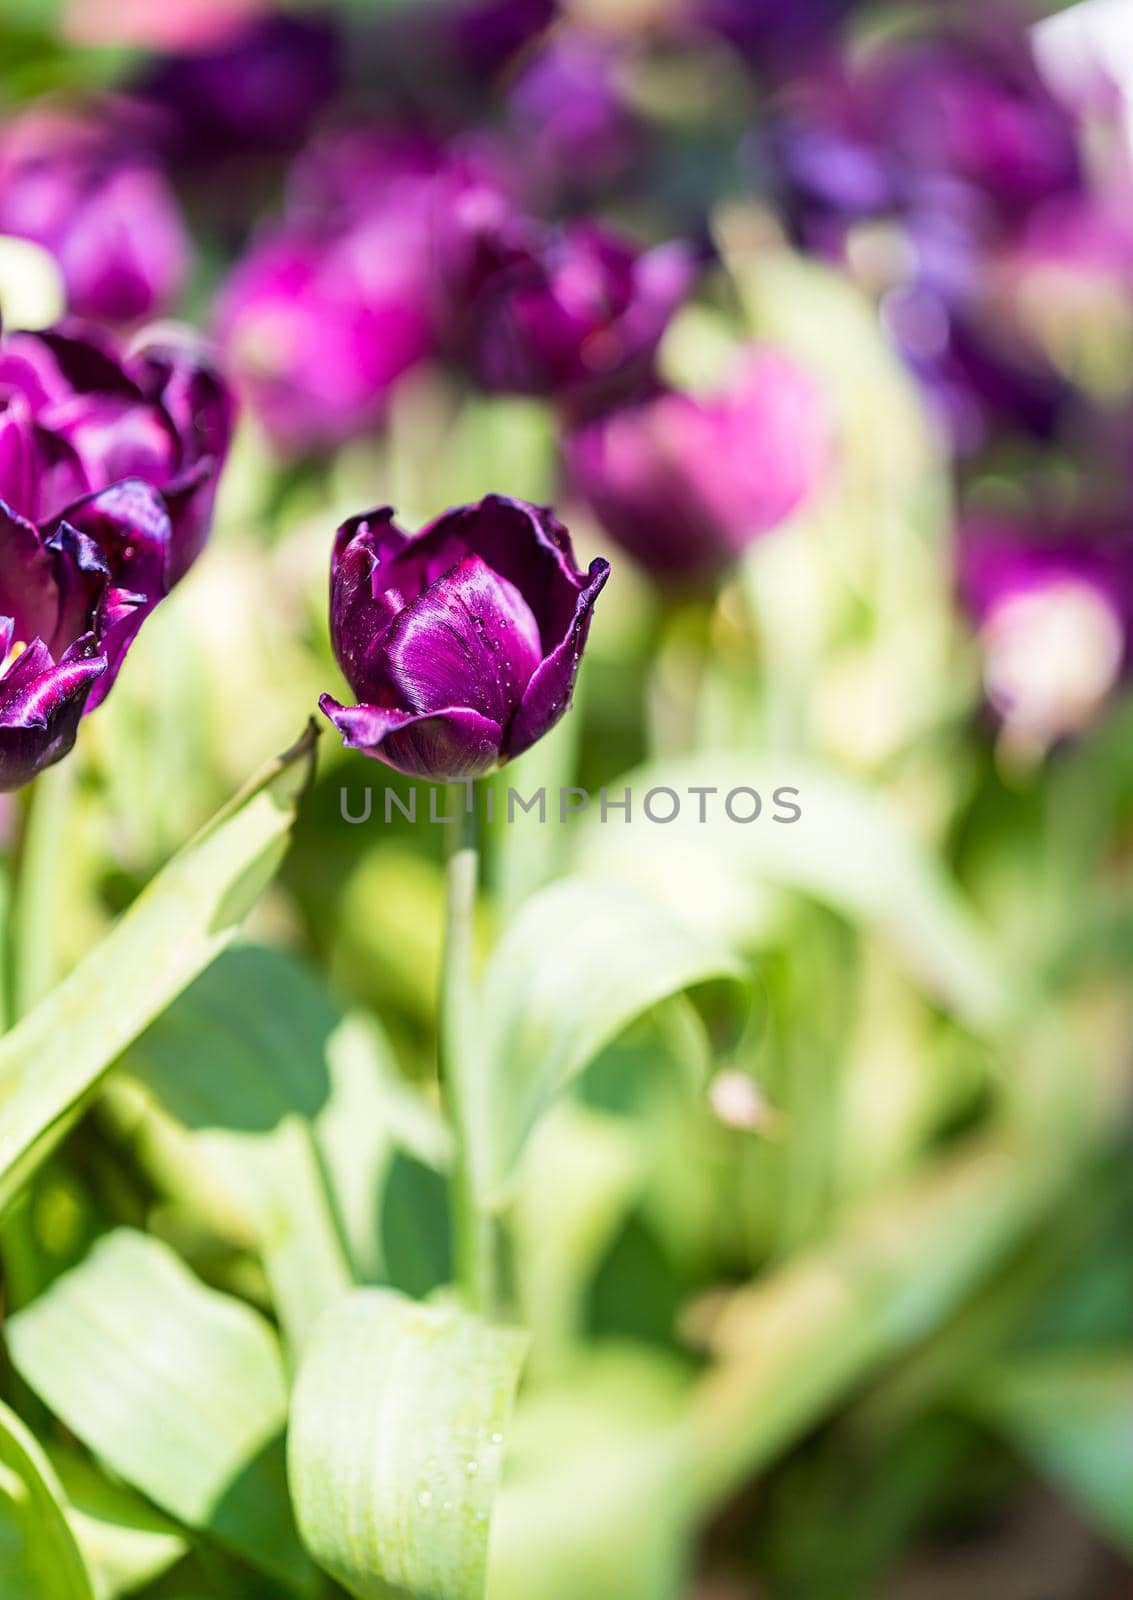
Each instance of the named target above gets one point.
<point>396,1444</point>
<point>39,1558</point>
<point>851,849</point>
<point>1071,1415</point>
<point>240,1061</point>
<point>592,1503</point>
<point>582,960</point>
<point>178,1389</point>
<point>277,1120</point>
<point>56,1055</point>
<point>126,1542</point>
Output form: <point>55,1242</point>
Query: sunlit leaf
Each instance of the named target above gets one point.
<point>126,1542</point>
<point>582,960</point>
<point>851,849</point>
<point>396,1442</point>
<point>39,1558</point>
<point>178,1389</point>
<point>55,1056</point>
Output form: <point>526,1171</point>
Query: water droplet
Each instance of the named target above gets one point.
<point>472,1468</point>
<point>497,1438</point>
<point>425,1499</point>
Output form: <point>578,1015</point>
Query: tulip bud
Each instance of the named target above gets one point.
<point>462,643</point>
<point>684,484</point>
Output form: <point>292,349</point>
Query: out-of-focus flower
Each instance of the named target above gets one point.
<point>79,187</point>
<point>472,37</point>
<point>954,126</point>
<point>73,593</point>
<point>173,25</point>
<point>777,37</point>
<point>982,376</point>
<point>76,416</point>
<point>319,327</point>
<point>463,642</point>
<point>259,87</point>
<point>1068,281</point>
<point>1055,616</point>
<point>685,483</point>
<point>571,115</point>
<point>576,312</point>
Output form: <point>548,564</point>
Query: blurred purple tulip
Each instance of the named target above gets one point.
<point>576,313</point>
<point>952,132</point>
<point>258,88</point>
<point>1054,609</point>
<point>462,643</point>
<point>76,416</point>
<point>684,484</point>
<point>73,593</point>
<point>319,326</point>
<point>88,194</point>
<point>570,114</point>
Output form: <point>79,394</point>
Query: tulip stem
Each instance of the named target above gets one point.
<point>474,1231</point>
<point>37,909</point>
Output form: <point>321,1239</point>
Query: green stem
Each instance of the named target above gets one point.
<point>474,1238</point>
<point>36,898</point>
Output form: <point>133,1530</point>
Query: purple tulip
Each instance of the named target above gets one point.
<point>76,416</point>
<point>73,593</point>
<point>684,484</point>
<point>85,193</point>
<point>319,326</point>
<point>463,642</point>
<point>260,87</point>
<point>1054,609</point>
<point>576,313</point>
<point>571,116</point>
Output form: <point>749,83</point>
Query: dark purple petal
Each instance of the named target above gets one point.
<point>526,544</point>
<point>130,524</point>
<point>28,592</point>
<point>449,743</point>
<point>469,639</point>
<point>19,464</point>
<point>548,693</point>
<point>41,704</point>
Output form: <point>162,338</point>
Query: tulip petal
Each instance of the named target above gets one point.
<point>470,637</point>
<point>551,685</point>
<point>41,705</point>
<point>452,742</point>
<point>27,580</point>
<point>526,544</point>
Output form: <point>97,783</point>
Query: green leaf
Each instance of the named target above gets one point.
<point>851,849</point>
<point>593,1504</point>
<point>55,1056</point>
<point>126,1543</point>
<point>1072,1416</point>
<point>240,1059</point>
<point>39,1558</point>
<point>396,1444</point>
<point>178,1389</point>
<point>278,1121</point>
<point>581,962</point>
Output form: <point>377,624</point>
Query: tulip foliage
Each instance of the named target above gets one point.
<point>631,1104</point>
